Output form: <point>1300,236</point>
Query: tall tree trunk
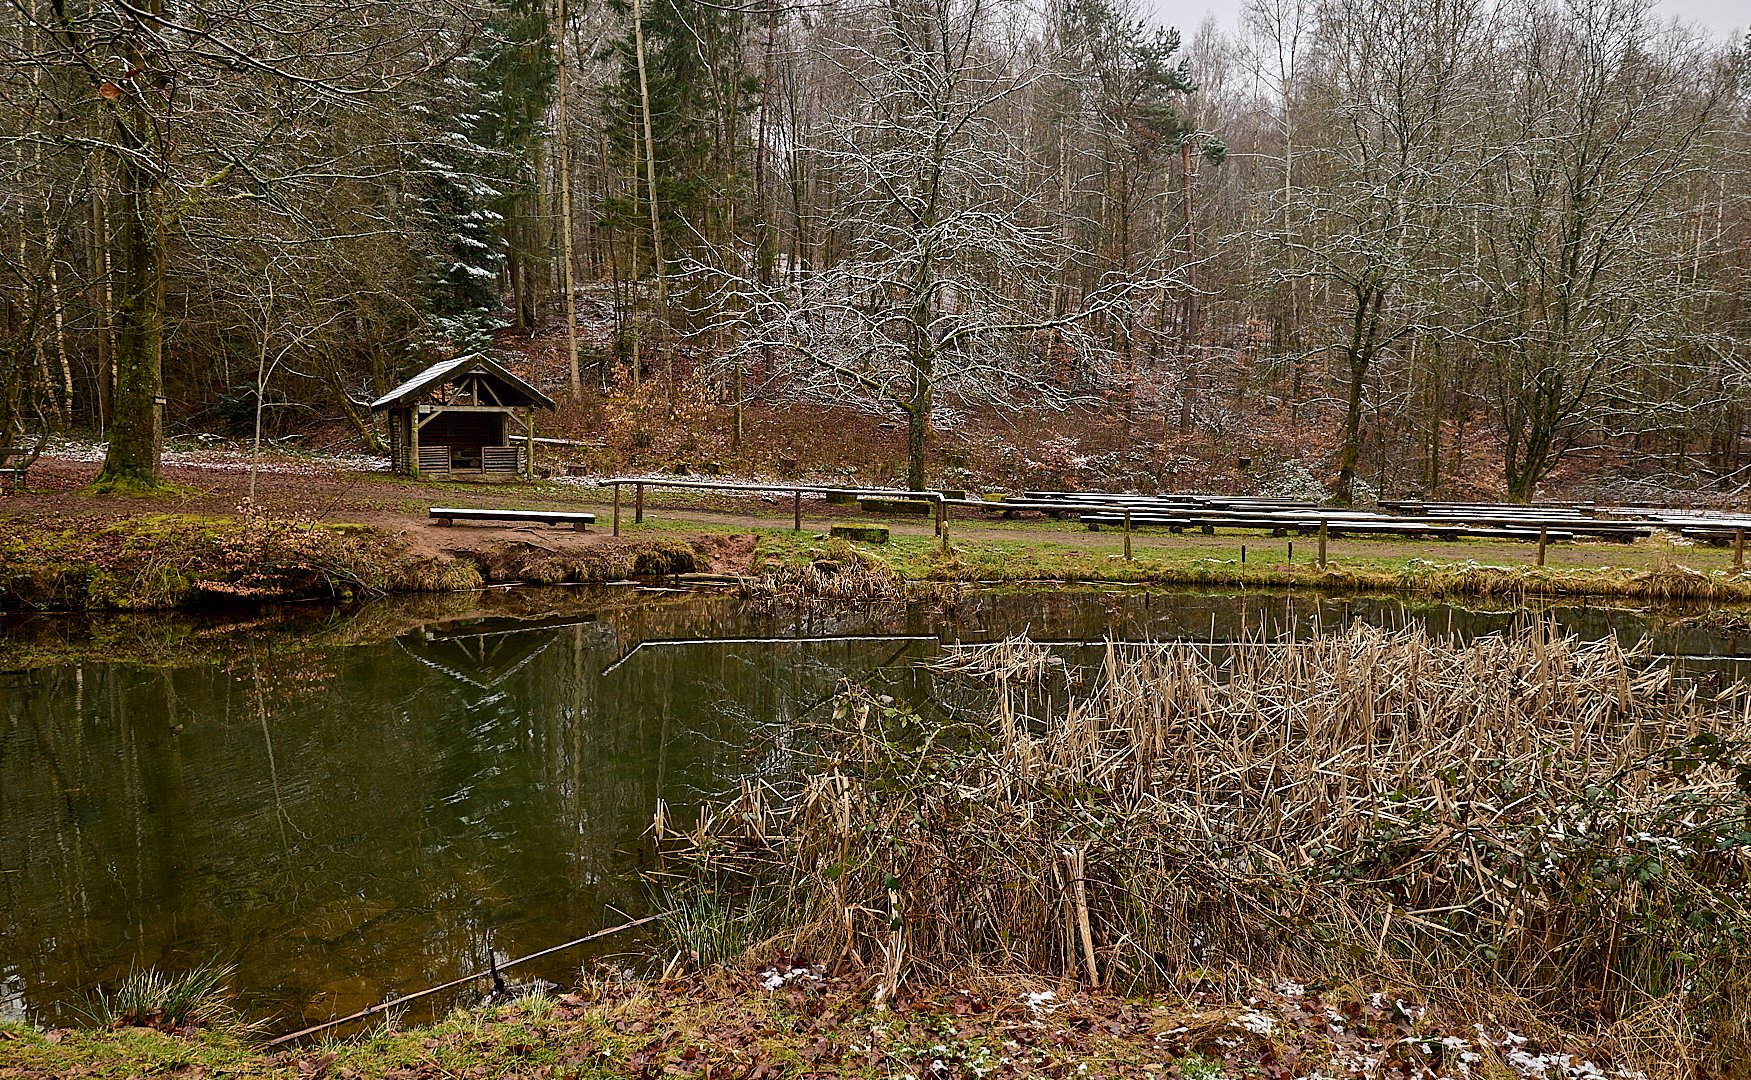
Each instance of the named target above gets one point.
<point>917,427</point>
<point>100,247</point>
<point>650,172</point>
<point>565,216</point>
<point>136,430</point>
<point>1364,336</point>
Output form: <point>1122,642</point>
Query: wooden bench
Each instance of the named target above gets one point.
<point>450,515</point>
<point>14,463</point>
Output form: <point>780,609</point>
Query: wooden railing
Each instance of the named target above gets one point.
<point>938,501</point>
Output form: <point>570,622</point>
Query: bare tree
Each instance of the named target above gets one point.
<point>940,286</point>
<point>1394,84</point>
<point>1585,242</point>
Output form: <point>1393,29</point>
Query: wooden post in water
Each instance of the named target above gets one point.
<point>638,504</point>
<point>1322,530</point>
<point>1738,550</point>
<point>616,509</point>
<point>1543,539</point>
<point>1127,534</point>
<point>796,506</point>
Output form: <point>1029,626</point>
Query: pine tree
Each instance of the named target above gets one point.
<point>486,115</point>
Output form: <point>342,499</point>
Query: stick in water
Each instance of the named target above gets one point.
<point>372,1010</point>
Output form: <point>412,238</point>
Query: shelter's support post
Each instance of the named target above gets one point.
<point>413,442</point>
<point>529,445</point>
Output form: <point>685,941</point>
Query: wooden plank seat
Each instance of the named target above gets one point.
<point>450,515</point>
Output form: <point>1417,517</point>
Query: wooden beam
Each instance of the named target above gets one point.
<point>529,447</point>
<point>435,409</point>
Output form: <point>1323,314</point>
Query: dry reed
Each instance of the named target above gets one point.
<point>840,572</point>
<point>1523,819</point>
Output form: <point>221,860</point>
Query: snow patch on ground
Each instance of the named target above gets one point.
<point>223,458</point>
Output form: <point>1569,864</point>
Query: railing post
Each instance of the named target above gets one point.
<point>1127,534</point>
<point>1543,539</point>
<point>616,509</point>
<point>1738,550</point>
<point>1322,532</point>
<point>797,508</point>
<point>638,504</point>
<point>942,520</point>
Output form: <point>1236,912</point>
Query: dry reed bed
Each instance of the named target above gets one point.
<point>1523,820</point>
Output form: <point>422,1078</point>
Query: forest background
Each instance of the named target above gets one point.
<point>1449,246</point>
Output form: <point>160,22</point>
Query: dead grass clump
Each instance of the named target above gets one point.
<point>437,575</point>
<point>615,559</point>
<point>838,571</point>
<point>1524,819</point>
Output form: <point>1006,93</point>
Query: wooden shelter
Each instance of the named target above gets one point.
<point>456,420</point>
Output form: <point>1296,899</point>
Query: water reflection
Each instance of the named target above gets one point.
<point>347,821</point>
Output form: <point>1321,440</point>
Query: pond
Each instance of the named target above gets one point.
<point>351,804</point>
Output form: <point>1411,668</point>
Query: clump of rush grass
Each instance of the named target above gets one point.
<point>712,917</point>
<point>1525,822</point>
<point>195,998</point>
<point>533,1004</point>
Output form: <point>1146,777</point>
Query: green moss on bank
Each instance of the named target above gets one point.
<point>164,561</point>
<point>158,561</point>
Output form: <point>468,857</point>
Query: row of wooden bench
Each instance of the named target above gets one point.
<point>1178,513</point>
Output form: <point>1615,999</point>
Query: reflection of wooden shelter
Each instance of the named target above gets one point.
<point>454,419</point>
<point>483,660</point>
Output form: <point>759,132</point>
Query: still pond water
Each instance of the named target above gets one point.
<point>352,805</point>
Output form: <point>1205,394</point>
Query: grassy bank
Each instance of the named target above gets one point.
<point>791,1019</point>
<point>150,562</point>
<point>1651,572</point>
<point>1521,826</point>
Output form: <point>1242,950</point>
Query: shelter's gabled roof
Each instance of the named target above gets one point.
<point>512,390</point>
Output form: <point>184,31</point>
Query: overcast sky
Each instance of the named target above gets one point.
<point>1720,17</point>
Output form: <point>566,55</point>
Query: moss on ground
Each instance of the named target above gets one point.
<point>158,561</point>
<point>787,1020</point>
<point>155,562</point>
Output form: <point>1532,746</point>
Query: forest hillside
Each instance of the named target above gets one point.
<point>1461,249</point>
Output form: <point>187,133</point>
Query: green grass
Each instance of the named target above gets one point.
<point>1648,571</point>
